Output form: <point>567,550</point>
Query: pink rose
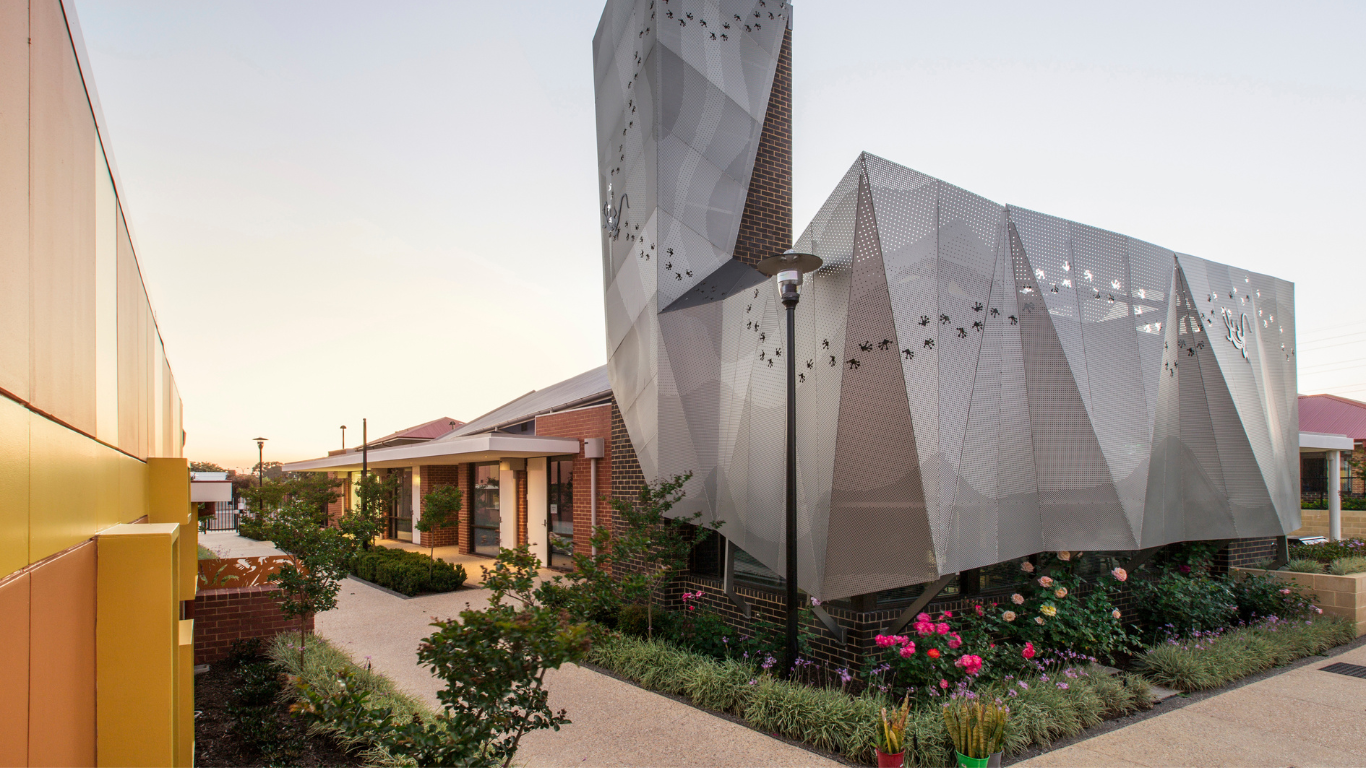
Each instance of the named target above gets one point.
<point>1120,574</point>
<point>1115,613</point>
<point>1045,581</point>
<point>883,640</point>
<point>1027,567</point>
<point>970,664</point>
<point>1184,568</point>
<point>922,617</point>
<point>980,610</point>
<point>947,615</point>
<point>941,628</point>
<point>1017,599</point>
<point>1028,652</point>
<point>907,650</point>
<point>955,642</point>
<point>923,628</point>
<point>943,683</point>
<point>1285,591</point>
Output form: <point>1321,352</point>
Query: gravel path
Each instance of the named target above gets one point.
<point>614,723</point>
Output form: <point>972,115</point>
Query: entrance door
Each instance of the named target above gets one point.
<point>403,506</point>
<point>560,474</point>
<point>487,517</point>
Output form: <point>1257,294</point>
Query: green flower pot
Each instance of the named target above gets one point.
<point>971,762</point>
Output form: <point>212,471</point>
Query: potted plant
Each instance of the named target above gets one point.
<point>977,729</point>
<point>891,743</point>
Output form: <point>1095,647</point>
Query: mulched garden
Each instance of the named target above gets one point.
<point>241,719</point>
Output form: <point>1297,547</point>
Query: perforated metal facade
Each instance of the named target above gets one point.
<point>977,382</point>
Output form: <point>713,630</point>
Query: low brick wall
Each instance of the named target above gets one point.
<point>1337,595</point>
<point>1314,522</point>
<point>224,615</point>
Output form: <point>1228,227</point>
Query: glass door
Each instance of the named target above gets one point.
<point>560,474</point>
<point>487,517</point>
<point>403,508</point>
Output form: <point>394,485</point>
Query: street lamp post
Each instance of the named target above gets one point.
<point>788,268</point>
<point>343,437</point>
<point>260,472</point>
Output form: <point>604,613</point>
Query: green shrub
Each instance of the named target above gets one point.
<point>1329,551</point>
<point>1344,566</point>
<point>1260,597</point>
<point>411,573</point>
<point>721,685</point>
<point>1218,658</point>
<point>1183,605</point>
<point>1304,565</point>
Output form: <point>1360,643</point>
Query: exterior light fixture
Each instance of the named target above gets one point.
<point>343,437</point>
<point>789,267</point>
<point>260,470</point>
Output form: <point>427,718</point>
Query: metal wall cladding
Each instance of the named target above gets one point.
<point>976,382</point>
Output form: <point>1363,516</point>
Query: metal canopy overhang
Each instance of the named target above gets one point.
<point>459,450</point>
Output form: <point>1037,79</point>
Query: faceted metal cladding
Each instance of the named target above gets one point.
<point>977,382</point>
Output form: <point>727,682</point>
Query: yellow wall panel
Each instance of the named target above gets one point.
<point>14,644</point>
<point>108,499</point>
<point>138,649</point>
<point>63,487</point>
<point>61,225</point>
<point>14,339</point>
<point>13,486</point>
<point>62,660</point>
<point>132,489</point>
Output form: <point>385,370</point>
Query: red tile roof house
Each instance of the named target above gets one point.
<point>1331,415</point>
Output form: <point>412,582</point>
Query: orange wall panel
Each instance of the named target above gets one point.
<point>61,224</point>
<point>14,644</point>
<point>62,660</point>
<point>14,309</point>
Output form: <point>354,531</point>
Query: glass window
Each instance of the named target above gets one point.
<point>403,510</point>
<point>560,475</point>
<point>751,571</point>
<point>487,512</point>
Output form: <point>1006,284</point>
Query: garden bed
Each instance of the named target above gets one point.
<point>228,733</point>
<point>409,573</point>
<point>1343,596</point>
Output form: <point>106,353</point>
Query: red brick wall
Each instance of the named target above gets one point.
<point>224,615</point>
<point>521,505</point>
<point>585,423</point>
<point>435,477</point>
<point>766,224</point>
<point>342,505</point>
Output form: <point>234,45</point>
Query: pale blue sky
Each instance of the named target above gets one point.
<point>389,210</point>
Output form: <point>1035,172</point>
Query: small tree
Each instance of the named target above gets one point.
<point>649,549</point>
<point>440,509</point>
<point>205,466</point>
<point>374,498</point>
<point>261,504</point>
<point>318,561</point>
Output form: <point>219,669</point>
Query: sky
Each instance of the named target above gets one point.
<point>389,211</point>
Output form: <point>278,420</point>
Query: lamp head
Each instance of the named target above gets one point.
<point>789,267</point>
<point>260,442</point>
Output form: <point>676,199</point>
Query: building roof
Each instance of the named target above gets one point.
<point>579,390</point>
<point>1334,415</point>
<point>425,431</point>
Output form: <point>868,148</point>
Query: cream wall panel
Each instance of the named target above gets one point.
<point>106,303</point>
<point>64,487</point>
<point>158,446</point>
<point>133,489</point>
<point>130,348</point>
<point>177,420</point>
<point>61,225</point>
<point>14,339</point>
<point>13,486</point>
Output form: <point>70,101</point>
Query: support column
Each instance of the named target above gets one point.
<point>417,503</point>
<point>1334,495</point>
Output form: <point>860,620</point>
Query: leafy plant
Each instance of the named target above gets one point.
<point>1261,596</point>
<point>976,727</point>
<point>375,497</point>
<point>1179,604</point>
<point>893,736</point>
<point>318,559</point>
<point>1328,551</point>
<point>1218,658</point>
<point>440,509</point>
<point>411,573</point>
<point>1344,566</point>
<point>1304,566</point>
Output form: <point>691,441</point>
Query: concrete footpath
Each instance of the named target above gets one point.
<point>614,723</point>
<point>1304,717</point>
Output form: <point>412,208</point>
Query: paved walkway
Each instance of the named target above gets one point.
<point>1304,717</point>
<point>229,544</point>
<point>614,723</point>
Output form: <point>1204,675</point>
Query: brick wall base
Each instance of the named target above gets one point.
<point>224,615</point>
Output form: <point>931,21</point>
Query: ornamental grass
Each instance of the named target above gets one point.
<point>1215,659</point>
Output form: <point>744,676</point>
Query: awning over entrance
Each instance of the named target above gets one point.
<point>464,449</point>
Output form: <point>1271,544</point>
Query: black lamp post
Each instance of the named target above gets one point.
<point>260,471</point>
<point>788,268</point>
<point>343,437</point>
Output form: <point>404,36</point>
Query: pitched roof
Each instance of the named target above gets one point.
<point>1333,415</point>
<point>425,431</point>
<point>581,389</point>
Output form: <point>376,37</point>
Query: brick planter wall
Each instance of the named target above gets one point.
<point>434,477</point>
<point>224,615</point>
<point>1343,596</point>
